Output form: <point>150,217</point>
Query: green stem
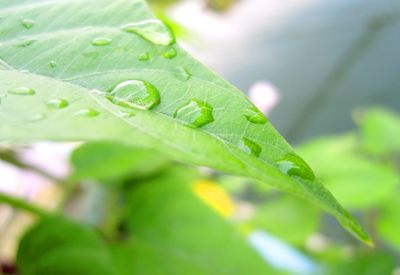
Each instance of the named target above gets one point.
<point>22,204</point>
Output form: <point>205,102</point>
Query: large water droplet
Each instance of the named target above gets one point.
<point>101,41</point>
<point>152,30</point>
<point>255,116</point>
<point>195,113</point>
<point>182,73</point>
<point>87,113</point>
<point>170,53</point>
<point>144,56</point>
<point>22,91</point>
<point>24,43</point>
<point>57,103</point>
<point>27,23</point>
<point>135,93</point>
<point>293,165</point>
<point>250,147</point>
<point>53,64</point>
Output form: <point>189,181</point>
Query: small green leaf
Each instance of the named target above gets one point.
<point>86,76</point>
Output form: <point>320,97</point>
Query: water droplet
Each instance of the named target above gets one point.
<point>182,73</point>
<point>22,91</point>
<point>25,43</point>
<point>170,53</point>
<point>87,112</point>
<point>57,103</point>
<point>135,93</point>
<point>152,30</point>
<point>144,56</point>
<point>124,114</point>
<point>255,116</point>
<point>37,117</point>
<point>195,113</point>
<point>293,165</point>
<point>27,23</point>
<point>101,41</point>
<point>53,64</point>
<point>250,147</point>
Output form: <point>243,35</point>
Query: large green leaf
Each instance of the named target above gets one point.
<point>90,70</point>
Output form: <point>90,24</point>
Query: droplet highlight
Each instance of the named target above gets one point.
<point>27,23</point>
<point>87,113</point>
<point>293,165</point>
<point>136,94</point>
<point>144,56</point>
<point>101,41</point>
<point>152,30</point>
<point>195,113</point>
<point>57,103</point>
<point>22,91</point>
<point>250,147</point>
<point>255,116</point>
<point>170,53</point>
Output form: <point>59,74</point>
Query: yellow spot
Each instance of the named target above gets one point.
<point>214,196</point>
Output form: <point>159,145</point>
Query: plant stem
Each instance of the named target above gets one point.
<point>22,204</point>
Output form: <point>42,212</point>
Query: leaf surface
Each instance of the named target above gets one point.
<point>79,70</point>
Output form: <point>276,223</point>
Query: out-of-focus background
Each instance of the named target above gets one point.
<point>327,75</point>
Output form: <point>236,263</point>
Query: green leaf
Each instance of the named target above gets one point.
<point>111,62</point>
<point>59,246</point>
<point>356,180</point>
<point>174,232</point>
<point>380,131</point>
<point>388,224</point>
<point>108,161</point>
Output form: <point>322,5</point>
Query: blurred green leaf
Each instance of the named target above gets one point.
<point>388,224</point>
<point>287,218</point>
<point>380,131</point>
<point>107,161</point>
<point>356,180</point>
<point>176,233</point>
<point>59,246</point>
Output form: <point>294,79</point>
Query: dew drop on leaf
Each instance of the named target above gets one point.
<point>182,73</point>
<point>195,113</point>
<point>53,64</point>
<point>57,103</point>
<point>144,56</point>
<point>293,165</point>
<point>255,116</point>
<point>27,23</point>
<point>87,113</point>
<point>170,53</point>
<point>101,41</point>
<point>152,30</point>
<point>25,43</point>
<point>250,147</point>
<point>22,91</point>
<point>136,94</point>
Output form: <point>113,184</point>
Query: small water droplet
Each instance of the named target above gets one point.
<point>25,43</point>
<point>182,73</point>
<point>135,93</point>
<point>57,103</point>
<point>37,117</point>
<point>144,56</point>
<point>125,114</point>
<point>27,23</point>
<point>53,64</point>
<point>170,53</point>
<point>250,147</point>
<point>293,165</point>
<point>195,113</point>
<point>87,113</point>
<point>152,30</point>
<point>255,116</point>
<point>101,41</point>
<point>91,55</point>
<point>22,91</point>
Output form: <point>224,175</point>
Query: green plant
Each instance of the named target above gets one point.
<point>101,71</point>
